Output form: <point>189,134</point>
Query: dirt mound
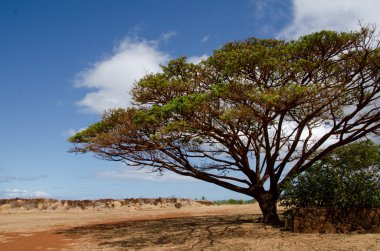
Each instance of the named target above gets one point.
<point>101,204</point>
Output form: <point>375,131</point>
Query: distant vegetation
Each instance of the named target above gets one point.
<point>52,204</point>
<point>234,202</point>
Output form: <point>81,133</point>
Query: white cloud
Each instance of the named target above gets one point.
<point>140,174</point>
<point>166,36</point>
<point>196,59</point>
<point>339,15</point>
<point>12,193</point>
<point>111,79</point>
<point>4,179</point>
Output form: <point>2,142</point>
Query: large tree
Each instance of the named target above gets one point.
<point>252,116</point>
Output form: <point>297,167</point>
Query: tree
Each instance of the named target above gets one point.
<point>252,116</point>
<point>350,178</point>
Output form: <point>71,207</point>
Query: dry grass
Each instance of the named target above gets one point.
<point>53,204</point>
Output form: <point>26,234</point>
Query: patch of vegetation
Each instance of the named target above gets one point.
<point>45,203</point>
<point>346,178</point>
<point>234,202</point>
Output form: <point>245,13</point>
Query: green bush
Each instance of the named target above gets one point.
<point>348,177</point>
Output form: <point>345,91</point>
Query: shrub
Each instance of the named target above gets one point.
<point>348,177</point>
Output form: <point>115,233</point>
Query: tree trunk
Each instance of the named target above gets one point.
<point>267,203</point>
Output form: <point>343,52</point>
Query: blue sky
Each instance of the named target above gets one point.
<point>63,62</point>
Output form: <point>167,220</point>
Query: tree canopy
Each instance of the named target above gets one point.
<point>347,177</point>
<point>252,116</point>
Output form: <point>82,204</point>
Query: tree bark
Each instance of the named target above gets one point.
<point>268,205</point>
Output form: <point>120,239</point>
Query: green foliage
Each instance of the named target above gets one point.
<point>85,135</point>
<point>183,104</point>
<point>110,120</point>
<point>234,202</point>
<point>348,177</point>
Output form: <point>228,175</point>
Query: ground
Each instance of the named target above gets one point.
<point>223,227</point>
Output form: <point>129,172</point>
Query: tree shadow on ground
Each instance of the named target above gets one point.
<point>184,233</point>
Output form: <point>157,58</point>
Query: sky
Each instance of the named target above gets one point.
<point>62,63</point>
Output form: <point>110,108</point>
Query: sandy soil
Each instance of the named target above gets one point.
<point>227,227</point>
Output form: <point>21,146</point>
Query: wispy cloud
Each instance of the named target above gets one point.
<point>20,193</point>
<point>140,174</point>
<point>167,35</point>
<point>269,9</point>
<point>270,14</point>
<point>205,39</point>
<point>5,179</point>
<point>339,15</point>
